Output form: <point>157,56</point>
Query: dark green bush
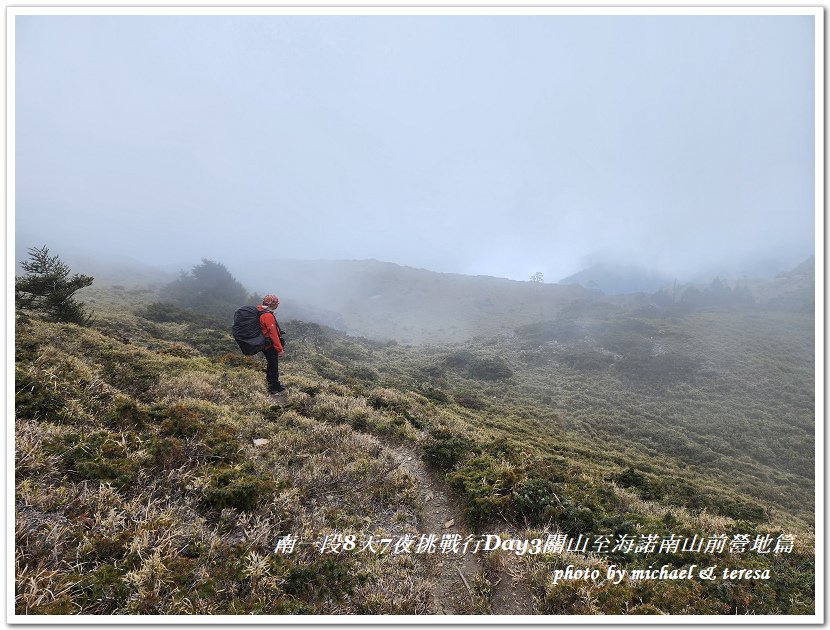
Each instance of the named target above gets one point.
<point>557,330</point>
<point>532,498</point>
<point>740,509</point>
<point>167,453</point>
<point>631,478</point>
<point>364,373</point>
<point>489,369</point>
<point>483,494</point>
<point>470,400</point>
<point>220,443</point>
<point>433,372</point>
<point>128,415</point>
<point>378,400</point>
<point>213,339</point>
<point>208,289</point>
<point>445,449</point>
<point>325,578</point>
<point>102,456</point>
<point>327,368</point>
<point>239,487</point>
<point>662,369</point>
<point>132,373</point>
<point>459,359</point>
<point>179,350</point>
<point>213,441</point>
<point>434,393</point>
<point>181,421</point>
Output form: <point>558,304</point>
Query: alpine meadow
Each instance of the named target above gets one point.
<point>415,314</point>
<point>154,475</point>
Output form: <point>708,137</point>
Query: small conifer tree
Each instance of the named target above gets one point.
<point>48,289</point>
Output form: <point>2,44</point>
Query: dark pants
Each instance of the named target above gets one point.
<point>272,371</point>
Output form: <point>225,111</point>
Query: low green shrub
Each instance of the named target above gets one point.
<point>484,495</point>
<point>489,369</point>
<point>535,497</point>
<point>327,368</point>
<point>434,393</point>
<point>459,359</point>
<point>167,453</point>
<point>445,449</point>
<point>240,487</point>
<point>470,400</point>
<point>36,400</point>
<point>103,456</point>
<point>556,330</point>
<point>126,415</point>
<point>325,578</point>
<point>221,443</point>
<point>181,421</point>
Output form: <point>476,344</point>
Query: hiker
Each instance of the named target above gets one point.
<point>256,330</point>
<point>271,332</point>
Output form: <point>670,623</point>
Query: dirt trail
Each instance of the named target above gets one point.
<point>452,593</point>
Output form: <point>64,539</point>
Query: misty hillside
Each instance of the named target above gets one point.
<point>388,301</point>
<point>794,289</point>
<point>618,279</point>
<point>153,474</point>
<point>105,267</point>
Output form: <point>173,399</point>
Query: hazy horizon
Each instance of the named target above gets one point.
<point>478,145</point>
<point>111,264</point>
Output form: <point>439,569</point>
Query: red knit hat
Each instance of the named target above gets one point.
<point>271,301</point>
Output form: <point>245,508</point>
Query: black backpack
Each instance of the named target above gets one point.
<point>248,334</point>
<point>246,330</point>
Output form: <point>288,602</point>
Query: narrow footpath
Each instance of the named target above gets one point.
<point>454,576</point>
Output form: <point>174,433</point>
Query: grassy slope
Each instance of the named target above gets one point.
<point>697,423</point>
<point>725,395</point>
<point>139,489</point>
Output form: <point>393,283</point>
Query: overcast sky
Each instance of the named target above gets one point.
<point>484,145</point>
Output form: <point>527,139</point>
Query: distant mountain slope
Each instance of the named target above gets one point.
<point>806,269</point>
<point>124,272</point>
<point>618,279</point>
<point>387,301</point>
<point>793,290</point>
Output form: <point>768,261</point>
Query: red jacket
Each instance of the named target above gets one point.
<point>268,325</point>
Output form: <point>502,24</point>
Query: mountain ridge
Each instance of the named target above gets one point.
<point>389,301</point>
<point>618,279</point>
